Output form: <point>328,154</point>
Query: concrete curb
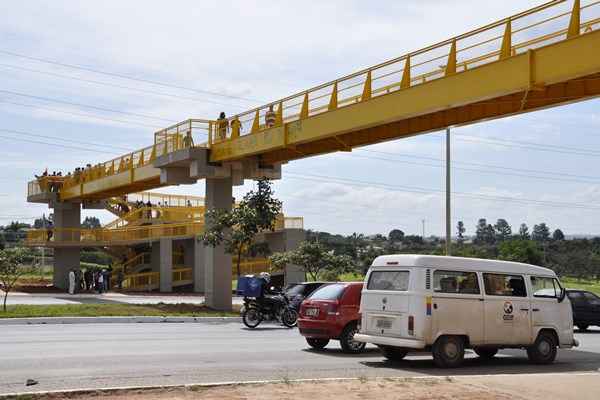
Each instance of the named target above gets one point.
<point>116,320</point>
<point>191,386</point>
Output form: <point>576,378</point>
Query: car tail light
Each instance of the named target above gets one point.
<point>411,325</point>
<point>333,309</point>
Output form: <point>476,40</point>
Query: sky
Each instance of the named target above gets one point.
<point>143,65</point>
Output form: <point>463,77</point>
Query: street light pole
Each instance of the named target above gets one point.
<point>448,215</point>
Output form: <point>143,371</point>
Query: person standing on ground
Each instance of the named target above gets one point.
<point>71,282</point>
<point>100,282</point>
<point>87,277</point>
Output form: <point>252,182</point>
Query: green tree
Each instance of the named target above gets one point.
<point>237,229</point>
<point>11,269</point>
<point>523,251</point>
<point>396,235</point>
<point>91,223</point>
<point>540,233</point>
<point>460,232</point>
<point>314,259</point>
<point>524,232</point>
<point>503,230</point>
<point>558,235</point>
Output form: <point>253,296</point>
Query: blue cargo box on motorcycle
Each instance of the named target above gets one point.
<point>249,286</point>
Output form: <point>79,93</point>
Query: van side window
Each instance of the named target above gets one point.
<point>455,282</point>
<point>544,287</point>
<point>388,280</point>
<point>504,285</point>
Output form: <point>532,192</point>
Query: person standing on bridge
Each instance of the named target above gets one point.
<point>270,117</point>
<point>188,140</point>
<point>222,126</point>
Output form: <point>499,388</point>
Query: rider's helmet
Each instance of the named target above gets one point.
<point>266,276</point>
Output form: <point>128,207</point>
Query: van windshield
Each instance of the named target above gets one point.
<point>388,280</point>
<point>328,292</point>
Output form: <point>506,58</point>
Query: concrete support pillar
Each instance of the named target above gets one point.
<point>198,271</point>
<point>293,238</point>
<point>155,257</point>
<point>217,263</point>
<point>66,215</point>
<point>166,264</point>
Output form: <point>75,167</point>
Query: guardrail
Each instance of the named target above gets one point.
<point>151,280</point>
<point>158,214</point>
<point>537,27</point>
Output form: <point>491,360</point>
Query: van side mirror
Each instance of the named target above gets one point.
<point>562,295</point>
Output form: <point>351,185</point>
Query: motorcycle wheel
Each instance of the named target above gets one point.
<point>251,318</point>
<point>289,317</point>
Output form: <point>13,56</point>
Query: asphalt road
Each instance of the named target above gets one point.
<point>109,355</point>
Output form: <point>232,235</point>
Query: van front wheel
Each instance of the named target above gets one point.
<point>448,351</point>
<point>543,350</point>
<point>393,353</point>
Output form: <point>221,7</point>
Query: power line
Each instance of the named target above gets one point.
<point>82,114</point>
<point>63,139</point>
<point>482,165</point>
<point>114,74</point>
<point>58,145</point>
<point>419,190</point>
<point>191,99</point>
<point>85,105</point>
<point>547,178</point>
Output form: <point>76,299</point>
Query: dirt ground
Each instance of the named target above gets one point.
<point>502,387</point>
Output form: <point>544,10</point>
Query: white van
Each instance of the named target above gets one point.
<point>447,304</point>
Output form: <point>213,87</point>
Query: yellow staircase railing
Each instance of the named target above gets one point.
<point>151,280</point>
<point>157,214</point>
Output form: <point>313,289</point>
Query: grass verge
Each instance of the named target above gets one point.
<point>584,284</point>
<point>113,310</point>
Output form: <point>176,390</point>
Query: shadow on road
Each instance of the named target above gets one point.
<point>509,362</point>
<point>332,352</point>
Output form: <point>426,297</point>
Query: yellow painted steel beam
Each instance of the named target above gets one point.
<point>559,62</point>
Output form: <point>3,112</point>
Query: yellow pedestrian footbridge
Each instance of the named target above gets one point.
<point>539,58</point>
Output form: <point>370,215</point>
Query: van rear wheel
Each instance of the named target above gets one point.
<point>448,351</point>
<point>543,350</point>
<point>485,352</point>
<point>393,353</point>
<point>317,343</point>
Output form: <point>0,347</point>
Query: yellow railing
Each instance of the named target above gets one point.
<point>45,184</point>
<point>158,214</point>
<point>255,266</point>
<point>166,141</point>
<point>112,236</point>
<point>548,23</point>
<point>140,259</point>
<point>151,280</point>
<point>167,200</point>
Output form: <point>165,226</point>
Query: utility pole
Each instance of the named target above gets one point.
<point>448,216</point>
<point>423,222</point>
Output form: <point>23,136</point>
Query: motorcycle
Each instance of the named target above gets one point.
<point>268,308</point>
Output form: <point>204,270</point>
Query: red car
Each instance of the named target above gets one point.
<point>331,312</point>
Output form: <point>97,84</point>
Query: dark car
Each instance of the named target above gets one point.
<point>297,292</point>
<point>331,312</point>
<point>586,308</point>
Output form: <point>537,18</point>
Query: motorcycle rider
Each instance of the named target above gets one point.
<point>265,290</point>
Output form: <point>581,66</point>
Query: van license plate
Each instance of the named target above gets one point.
<point>312,312</point>
<point>384,323</point>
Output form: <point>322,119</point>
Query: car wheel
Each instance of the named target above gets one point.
<point>449,351</point>
<point>543,350</point>
<point>251,318</point>
<point>485,352</point>
<point>582,327</point>
<point>393,353</point>
<point>349,345</point>
<point>317,343</point>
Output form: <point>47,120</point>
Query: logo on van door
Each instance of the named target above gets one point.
<point>508,310</point>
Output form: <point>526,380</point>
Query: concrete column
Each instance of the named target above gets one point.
<point>198,271</point>
<point>155,257</point>
<point>217,263</point>
<point>166,265</point>
<point>293,273</point>
<point>66,215</point>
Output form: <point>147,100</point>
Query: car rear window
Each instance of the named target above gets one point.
<point>328,292</point>
<point>296,289</point>
<point>388,280</point>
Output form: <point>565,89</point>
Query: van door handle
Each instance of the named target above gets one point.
<point>535,309</point>
<point>525,309</point>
